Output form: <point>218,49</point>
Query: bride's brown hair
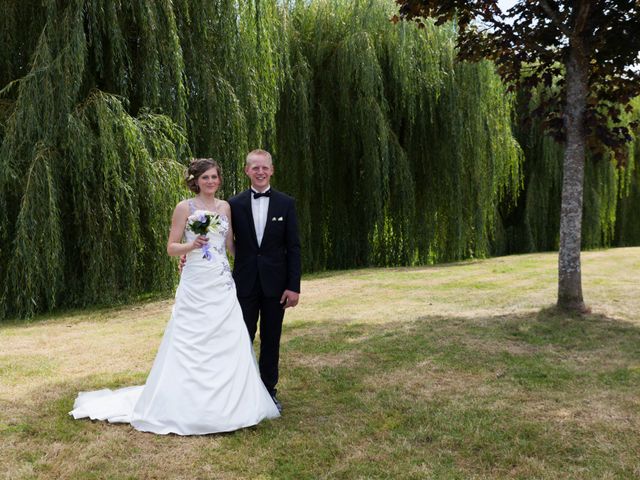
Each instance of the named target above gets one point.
<point>197,167</point>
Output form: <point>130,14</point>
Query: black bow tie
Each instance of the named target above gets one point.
<point>264,194</point>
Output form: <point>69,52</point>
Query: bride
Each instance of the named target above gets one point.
<point>205,377</point>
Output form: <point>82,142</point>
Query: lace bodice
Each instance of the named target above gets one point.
<point>220,234</point>
<point>217,244</point>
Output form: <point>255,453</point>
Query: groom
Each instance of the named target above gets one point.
<point>267,260</point>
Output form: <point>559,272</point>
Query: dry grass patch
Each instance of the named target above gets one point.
<point>613,409</point>
<point>427,381</point>
<point>316,361</point>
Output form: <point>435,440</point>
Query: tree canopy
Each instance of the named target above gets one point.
<point>531,42</point>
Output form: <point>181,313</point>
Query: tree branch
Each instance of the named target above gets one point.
<point>555,18</point>
<point>584,9</point>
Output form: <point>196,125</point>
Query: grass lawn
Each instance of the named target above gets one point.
<point>458,371</point>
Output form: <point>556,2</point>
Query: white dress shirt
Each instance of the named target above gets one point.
<point>260,208</point>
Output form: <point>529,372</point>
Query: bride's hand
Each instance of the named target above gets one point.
<point>199,242</point>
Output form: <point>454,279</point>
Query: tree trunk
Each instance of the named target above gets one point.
<point>569,271</point>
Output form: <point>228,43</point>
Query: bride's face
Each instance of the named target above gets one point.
<point>209,182</point>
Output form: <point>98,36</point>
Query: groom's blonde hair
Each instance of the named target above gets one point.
<point>258,152</point>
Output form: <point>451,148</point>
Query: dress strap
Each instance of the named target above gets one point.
<point>192,206</point>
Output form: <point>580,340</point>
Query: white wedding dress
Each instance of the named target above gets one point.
<point>205,377</point>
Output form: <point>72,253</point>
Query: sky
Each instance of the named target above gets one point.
<point>506,4</point>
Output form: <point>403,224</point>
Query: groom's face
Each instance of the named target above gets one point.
<point>259,170</point>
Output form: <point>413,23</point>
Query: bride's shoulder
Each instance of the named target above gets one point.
<point>225,207</point>
<point>181,213</point>
<point>183,206</point>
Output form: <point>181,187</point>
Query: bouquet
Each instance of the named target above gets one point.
<point>201,224</point>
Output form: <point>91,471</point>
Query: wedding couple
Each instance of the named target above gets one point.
<point>205,378</point>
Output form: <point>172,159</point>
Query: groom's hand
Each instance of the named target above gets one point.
<point>289,299</point>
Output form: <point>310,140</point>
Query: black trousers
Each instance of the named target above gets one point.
<point>270,312</point>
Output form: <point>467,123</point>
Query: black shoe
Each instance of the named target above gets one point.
<point>278,404</point>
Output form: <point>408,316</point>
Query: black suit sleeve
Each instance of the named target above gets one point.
<point>294,264</point>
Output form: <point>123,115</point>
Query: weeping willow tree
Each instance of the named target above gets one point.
<point>235,62</point>
<point>101,104</point>
<point>396,153</point>
<point>608,212</point>
<point>627,231</point>
<point>87,178</point>
<point>532,224</point>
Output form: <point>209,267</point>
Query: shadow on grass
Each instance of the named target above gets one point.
<point>540,395</point>
<point>465,343</point>
<point>535,395</point>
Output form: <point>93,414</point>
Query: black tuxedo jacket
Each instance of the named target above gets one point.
<point>276,262</point>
